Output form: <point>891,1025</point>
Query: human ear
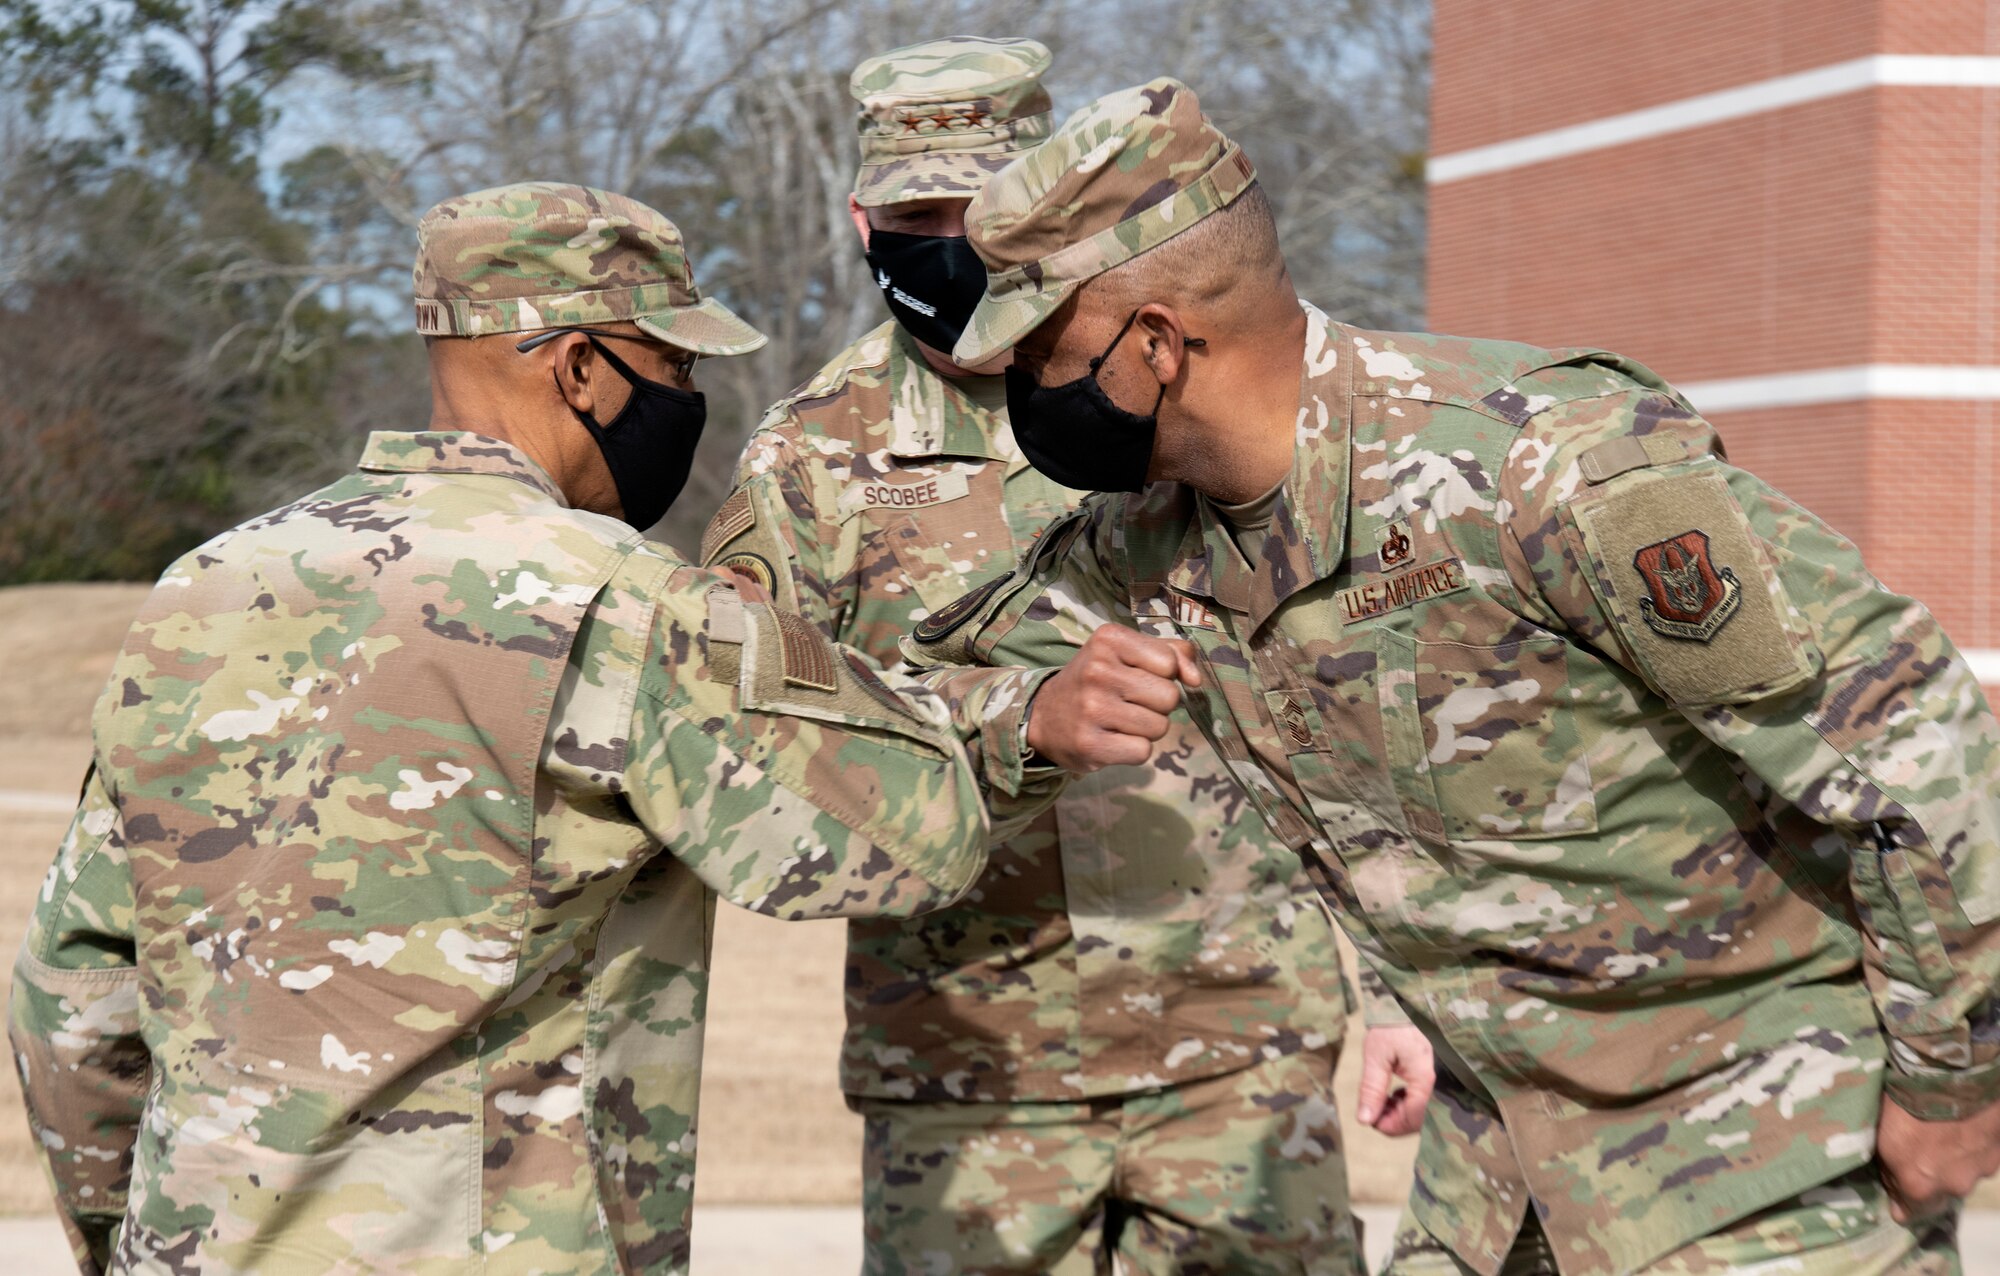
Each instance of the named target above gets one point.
<point>859,215</point>
<point>1162,341</point>
<point>573,371</point>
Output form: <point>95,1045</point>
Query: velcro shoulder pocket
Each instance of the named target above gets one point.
<point>742,540</point>
<point>785,665</point>
<point>737,516</point>
<point>1680,576</point>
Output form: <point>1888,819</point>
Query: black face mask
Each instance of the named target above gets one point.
<point>1076,435</point>
<point>649,446</point>
<point>931,282</point>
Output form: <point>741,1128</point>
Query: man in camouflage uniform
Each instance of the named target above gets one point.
<point>1675,829</point>
<point>1124,1040</point>
<point>379,940</point>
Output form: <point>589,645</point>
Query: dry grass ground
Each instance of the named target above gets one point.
<point>774,1129</point>
<point>30,842</point>
<point>66,636</point>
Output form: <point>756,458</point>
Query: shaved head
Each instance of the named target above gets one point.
<point>1220,263</point>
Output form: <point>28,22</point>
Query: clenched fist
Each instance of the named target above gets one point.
<point>1111,701</point>
<point>1928,1164</point>
<point>1387,1052</point>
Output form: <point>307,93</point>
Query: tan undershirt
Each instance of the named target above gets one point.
<point>1249,524</point>
<point>989,393</point>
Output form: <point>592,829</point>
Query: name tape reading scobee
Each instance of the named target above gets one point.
<point>904,495</point>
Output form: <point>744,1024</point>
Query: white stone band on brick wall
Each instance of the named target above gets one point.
<point>1842,385</point>
<point>1883,69</point>
<point>1985,664</point>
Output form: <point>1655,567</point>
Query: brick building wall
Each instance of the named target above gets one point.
<point>1789,208</point>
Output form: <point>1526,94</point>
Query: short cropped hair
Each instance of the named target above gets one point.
<point>1208,260</point>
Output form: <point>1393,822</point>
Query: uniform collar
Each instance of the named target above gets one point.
<point>454,452</point>
<point>930,416</point>
<point>1308,536</point>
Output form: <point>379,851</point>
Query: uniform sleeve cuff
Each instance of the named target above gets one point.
<point>1379,1007</point>
<point>1010,767</point>
<point>1383,1012</point>
<point>1944,1095</point>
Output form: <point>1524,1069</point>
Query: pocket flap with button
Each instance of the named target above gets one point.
<point>781,663</point>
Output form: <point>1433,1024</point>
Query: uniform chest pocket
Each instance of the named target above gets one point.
<point>944,551</point>
<point>1501,754</point>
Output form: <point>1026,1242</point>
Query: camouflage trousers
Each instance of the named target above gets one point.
<point>1242,1174</point>
<point>1840,1228</point>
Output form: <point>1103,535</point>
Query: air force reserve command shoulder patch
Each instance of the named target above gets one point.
<point>1675,564</point>
<point>1691,598</point>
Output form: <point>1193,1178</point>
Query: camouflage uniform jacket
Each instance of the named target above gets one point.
<point>361,952</point>
<point>1667,820</point>
<point>1148,930</point>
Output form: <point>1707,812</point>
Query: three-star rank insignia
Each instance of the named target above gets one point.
<point>1690,598</point>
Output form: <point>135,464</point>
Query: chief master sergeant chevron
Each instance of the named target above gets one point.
<point>1672,826</point>
<point>1122,1041</point>
<point>379,941</point>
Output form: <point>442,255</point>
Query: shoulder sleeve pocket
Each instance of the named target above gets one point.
<point>744,540</point>
<point>783,664</point>
<point>1682,580</point>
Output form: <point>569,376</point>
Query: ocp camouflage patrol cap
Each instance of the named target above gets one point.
<point>938,119</point>
<point>546,255</point>
<point>1124,174</point>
